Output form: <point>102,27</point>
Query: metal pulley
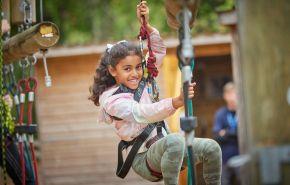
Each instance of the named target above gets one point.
<point>173,9</point>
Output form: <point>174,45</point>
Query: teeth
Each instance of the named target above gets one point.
<point>134,81</point>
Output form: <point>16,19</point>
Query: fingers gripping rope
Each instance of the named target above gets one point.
<point>144,34</point>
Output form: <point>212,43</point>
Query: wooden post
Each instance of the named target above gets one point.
<point>40,36</point>
<point>263,34</point>
<point>229,19</point>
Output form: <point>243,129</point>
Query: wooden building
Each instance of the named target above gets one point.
<point>75,149</point>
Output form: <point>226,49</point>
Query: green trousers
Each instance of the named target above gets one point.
<point>169,154</point>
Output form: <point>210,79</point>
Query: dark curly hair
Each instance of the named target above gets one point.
<point>103,79</point>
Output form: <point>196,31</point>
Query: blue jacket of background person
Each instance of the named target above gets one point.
<point>227,120</point>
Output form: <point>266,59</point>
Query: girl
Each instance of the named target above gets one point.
<point>158,157</point>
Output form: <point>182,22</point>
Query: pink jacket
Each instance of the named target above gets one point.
<point>135,115</point>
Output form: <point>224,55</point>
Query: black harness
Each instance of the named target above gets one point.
<point>123,167</point>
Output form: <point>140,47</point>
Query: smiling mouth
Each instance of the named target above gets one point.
<point>134,81</point>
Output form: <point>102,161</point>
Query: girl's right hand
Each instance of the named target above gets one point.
<point>179,101</point>
<point>143,10</point>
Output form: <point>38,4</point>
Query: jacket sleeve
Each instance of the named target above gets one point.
<point>158,47</point>
<point>218,126</point>
<point>125,107</point>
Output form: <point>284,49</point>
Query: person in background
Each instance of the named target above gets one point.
<point>225,132</point>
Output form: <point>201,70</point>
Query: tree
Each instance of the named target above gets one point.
<point>84,22</point>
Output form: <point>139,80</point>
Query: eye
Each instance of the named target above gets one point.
<point>127,69</point>
<point>139,67</point>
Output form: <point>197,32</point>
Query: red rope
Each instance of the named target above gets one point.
<point>27,86</point>
<point>30,88</point>
<point>34,162</point>
<point>151,61</point>
<point>22,88</point>
<point>22,163</point>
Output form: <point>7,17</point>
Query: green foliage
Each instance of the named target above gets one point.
<point>97,21</point>
<point>6,118</point>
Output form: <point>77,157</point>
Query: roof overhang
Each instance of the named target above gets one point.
<point>201,41</point>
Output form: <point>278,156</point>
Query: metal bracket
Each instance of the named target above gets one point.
<point>25,129</point>
<point>270,159</point>
<point>187,124</point>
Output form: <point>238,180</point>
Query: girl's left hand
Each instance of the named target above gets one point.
<point>191,90</point>
<point>143,9</point>
<point>179,101</point>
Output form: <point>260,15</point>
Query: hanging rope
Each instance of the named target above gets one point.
<point>31,88</point>
<point>11,85</point>
<point>186,64</point>
<point>150,69</point>
<point>22,88</point>
<point>144,34</point>
<point>27,87</point>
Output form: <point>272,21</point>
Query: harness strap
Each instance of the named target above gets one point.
<point>124,167</point>
<point>154,139</point>
<point>137,93</point>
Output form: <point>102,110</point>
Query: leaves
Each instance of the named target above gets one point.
<point>97,21</point>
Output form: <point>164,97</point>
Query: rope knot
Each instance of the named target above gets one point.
<point>152,69</point>
<point>143,33</point>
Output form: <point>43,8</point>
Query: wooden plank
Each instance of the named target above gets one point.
<point>76,134</point>
<point>68,137</point>
<point>58,119</point>
<point>207,50</point>
<point>108,179</point>
<point>72,110</point>
<point>96,151</point>
<point>77,163</point>
<point>97,146</point>
<point>71,145</point>
<point>74,126</point>
<point>113,138</point>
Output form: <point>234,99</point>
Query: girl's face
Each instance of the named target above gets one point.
<point>128,71</point>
